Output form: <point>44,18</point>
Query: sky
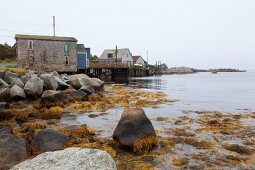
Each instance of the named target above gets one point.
<point>195,33</point>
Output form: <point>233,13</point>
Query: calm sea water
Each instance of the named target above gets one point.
<point>225,92</point>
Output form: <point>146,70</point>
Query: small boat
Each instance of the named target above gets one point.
<point>214,72</point>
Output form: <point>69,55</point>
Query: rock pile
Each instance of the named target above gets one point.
<point>48,86</point>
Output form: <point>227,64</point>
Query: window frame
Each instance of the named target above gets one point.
<point>66,47</point>
<point>30,44</point>
<point>67,60</point>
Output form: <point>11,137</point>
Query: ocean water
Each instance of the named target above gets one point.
<point>225,92</point>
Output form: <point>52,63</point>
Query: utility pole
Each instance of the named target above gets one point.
<point>147,57</point>
<point>116,51</point>
<point>54,26</point>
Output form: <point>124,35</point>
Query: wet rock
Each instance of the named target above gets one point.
<point>6,131</point>
<point>16,81</point>
<point>50,140</point>
<point>79,94</point>
<point>4,94</point>
<point>12,150</point>
<point>135,131</point>
<point>17,93</point>
<point>76,82</point>
<point>70,159</point>
<point>93,82</point>
<point>24,79</point>
<point>53,97</point>
<point>4,105</point>
<point>61,84</point>
<point>50,82</point>
<point>34,87</point>
<point>3,84</point>
<point>8,75</point>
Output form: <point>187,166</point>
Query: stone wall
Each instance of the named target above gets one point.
<point>47,55</point>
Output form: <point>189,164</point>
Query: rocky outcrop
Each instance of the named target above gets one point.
<point>17,93</point>
<point>24,79</point>
<point>12,150</point>
<point>4,94</point>
<point>53,97</point>
<point>135,131</point>
<point>34,87</point>
<point>50,140</point>
<point>180,70</point>
<point>61,84</point>
<point>76,82</point>
<point>70,159</point>
<point>50,82</point>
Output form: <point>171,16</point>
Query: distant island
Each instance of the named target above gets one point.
<point>189,70</point>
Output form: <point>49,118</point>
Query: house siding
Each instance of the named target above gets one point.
<point>46,55</point>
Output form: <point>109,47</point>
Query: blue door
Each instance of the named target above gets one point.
<point>81,61</point>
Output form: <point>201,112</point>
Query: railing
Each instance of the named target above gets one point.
<point>107,65</point>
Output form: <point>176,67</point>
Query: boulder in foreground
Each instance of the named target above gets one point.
<point>51,97</point>
<point>70,159</point>
<point>135,131</point>
<point>34,87</point>
<point>50,140</point>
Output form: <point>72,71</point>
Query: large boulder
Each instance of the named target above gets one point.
<point>17,81</point>
<point>4,94</point>
<point>61,84</point>
<point>50,140</point>
<point>94,82</point>
<point>50,82</point>
<point>17,93</point>
<point>12,150</point>
<point>30,74</point>
<point>70,159</point>
<point>34,87</point>
<point>76,81</point>
<point>2,73</point>
<point>88,89</point>
<point>3,84</point>
<point>6,131</point>
<point>8,75</point>
<point>135,131</point>
<point>53,97</point>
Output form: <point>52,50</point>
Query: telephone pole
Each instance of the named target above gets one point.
<point>54,26</point>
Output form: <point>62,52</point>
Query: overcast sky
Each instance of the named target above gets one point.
<point>195,33</point>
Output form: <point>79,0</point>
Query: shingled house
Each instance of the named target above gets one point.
<point>46,53</point>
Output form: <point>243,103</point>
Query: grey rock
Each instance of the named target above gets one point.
<point>3,84</point>
<point>8,75</point>
<point>61,84</point>
<point>55,73</point>
<point>24,79</point>
<point>16,81</point>
<point>70,159</point>
<point>34,87</point>
<point>30,74</point>
<point>50,82</point>
<point>50,140</point>
<point>76,82</point>
<point>4,94</point>
<point>12,150</point>
<point>6,131</point>
<point>88,89</point>
<point>17,93</point>
<point>79,94</point>
<point>51,96</point>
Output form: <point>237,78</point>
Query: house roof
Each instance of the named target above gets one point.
<point>120,53</point>
<point>43,37</point>
<point>135,58</point>
<point>81,48</point>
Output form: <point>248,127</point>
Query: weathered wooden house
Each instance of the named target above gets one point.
<point>46,53</point>
<point>123,56</point>
<point>83,56</point>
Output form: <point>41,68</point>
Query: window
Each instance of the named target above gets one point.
<point>66,47</point>
<point>110,55</point>
<point>30,45</point>
<point>66,60</point>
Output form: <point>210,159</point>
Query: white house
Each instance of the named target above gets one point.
<point>123,55</point>
<point>138,60</point>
